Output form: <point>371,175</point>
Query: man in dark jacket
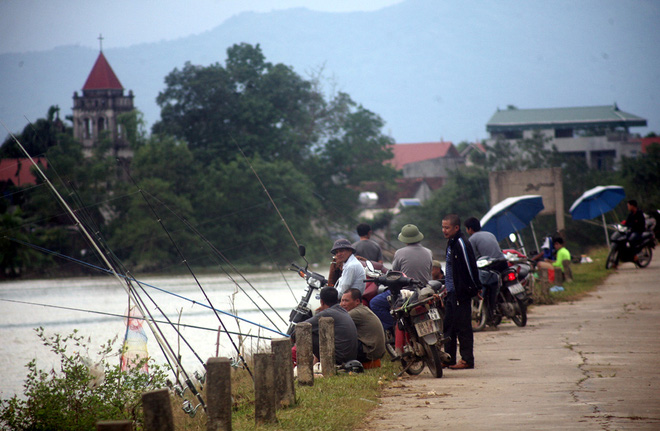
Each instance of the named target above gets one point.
<point>462,283</point>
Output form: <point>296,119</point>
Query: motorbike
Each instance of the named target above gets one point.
<point>524,268</point>
<point>418,311</point>
<point>512,300</point>
<point>621,250</point>
<point>315,282</point>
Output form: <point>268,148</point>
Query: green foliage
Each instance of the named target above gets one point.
<point>37,138</point>
<point>80,393</point>
<point>527,153</point>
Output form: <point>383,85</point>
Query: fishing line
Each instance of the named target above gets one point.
<point>280,270</point>
<point>231,339</point>
<point>227,261</point>
<point>72,259</point>
<point>129,290</point>
<point>102,313</point>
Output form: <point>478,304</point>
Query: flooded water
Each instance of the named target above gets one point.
<point>106,294</point>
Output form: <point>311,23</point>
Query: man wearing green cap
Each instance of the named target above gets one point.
<point>413,260</point>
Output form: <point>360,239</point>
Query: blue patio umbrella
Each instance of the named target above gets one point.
<point>596,202</point>
<point>511,215</point>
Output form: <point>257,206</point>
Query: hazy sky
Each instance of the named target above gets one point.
<point>36,25</point>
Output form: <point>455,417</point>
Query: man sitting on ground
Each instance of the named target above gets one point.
<point>346,338</point>
<point>371,337</point>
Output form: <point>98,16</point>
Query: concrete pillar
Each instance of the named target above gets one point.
<point>284,387</point>
<point>305,354</point>
<point>265,398</point>
<point>157,411</point>
<point>218,394</point>
<point>114,426</point>
<point>327,346</point>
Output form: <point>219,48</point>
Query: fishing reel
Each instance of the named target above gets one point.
<point>188,408</point>
<point>179,390</point>
<point>201,378</point>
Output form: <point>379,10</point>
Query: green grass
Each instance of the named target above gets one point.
<point>586,277</point>
<point>336,403</point>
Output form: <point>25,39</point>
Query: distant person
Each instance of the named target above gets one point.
<point>436,271</point>
<point>413,260</point>
<point>562,255</point>
<point>370,334</point>
<point>366,247</point>
<point>485,244</point>
<point>462,283</point>
<point>635,222</point>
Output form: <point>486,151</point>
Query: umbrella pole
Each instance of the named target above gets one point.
<point>522,245</point>
<point>536,243</point>
<point>607,237</point>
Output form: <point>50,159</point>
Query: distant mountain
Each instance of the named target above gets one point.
<point>431,68</point>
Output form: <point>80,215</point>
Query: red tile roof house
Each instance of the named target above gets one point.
<point>18,172</point>
<point>425,168</point>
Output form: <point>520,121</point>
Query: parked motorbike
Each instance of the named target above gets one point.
<point>418,312</point>
<point>524,268</point>
<point>641,252</point>
<point>512,300</point>
<point>315,282</point>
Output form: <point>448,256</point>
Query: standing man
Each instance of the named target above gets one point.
<point>462,283</point>
<point>413,259</point>
<point>370,334</point>
<point>485,244</point>
<point>352,271</point>
<point>366,247</point>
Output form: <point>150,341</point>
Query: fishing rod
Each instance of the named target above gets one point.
<point>160,221</point>
<point>125,283</point>
<point>124,316</point>
<point>227,261</point>
<point>89,265</point>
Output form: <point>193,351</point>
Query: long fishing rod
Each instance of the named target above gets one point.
<point>89,265</point>
<point>129,290</point>
<point>184,260</point>
<point>227,261</point>
<point>124,316</point>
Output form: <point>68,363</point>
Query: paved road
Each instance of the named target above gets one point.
<point>589,365</point>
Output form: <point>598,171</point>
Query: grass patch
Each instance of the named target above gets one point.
<point>336,403</point>
<point>586,277</point>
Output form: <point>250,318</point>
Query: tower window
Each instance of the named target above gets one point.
<point>101,124</point>
<point>87,128</point>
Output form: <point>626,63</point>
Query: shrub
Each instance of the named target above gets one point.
<point>80,393</point>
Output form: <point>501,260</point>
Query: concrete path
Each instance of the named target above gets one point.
<point>589,365</point>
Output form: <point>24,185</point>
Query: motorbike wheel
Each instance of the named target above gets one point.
<point>644,257</point>
<point>479,318</point>
<point>520,319</point>
<point>415,368</point>
<point>432,359</point>
<point>611,258</point>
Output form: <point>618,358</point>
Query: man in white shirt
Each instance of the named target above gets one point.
<point>352,274</point>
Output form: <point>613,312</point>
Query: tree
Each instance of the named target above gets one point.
<point>36,138</point>
<point>250,103</point>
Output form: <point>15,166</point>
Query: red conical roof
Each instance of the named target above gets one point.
<point>102,77</point>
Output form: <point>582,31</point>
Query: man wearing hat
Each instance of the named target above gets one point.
<point>352,274</point>
<point>413,260</point>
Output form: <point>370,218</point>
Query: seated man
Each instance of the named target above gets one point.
<point>562,255</point>
<point>370,334</point>
<point>346,339</point>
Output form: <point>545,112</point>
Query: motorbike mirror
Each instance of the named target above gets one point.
<point>301,250</point>
<point>370,266</point>
<point>512,237</point>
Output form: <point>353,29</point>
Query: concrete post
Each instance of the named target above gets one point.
<point>218,394</point>
<point>157,411</point>
<point>284,387</point>
<point>265,398</point>
<point>327,346</point>
<point>305,354</point>
<point>114,426</point>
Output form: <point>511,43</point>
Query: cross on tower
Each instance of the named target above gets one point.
<point>100,38</point>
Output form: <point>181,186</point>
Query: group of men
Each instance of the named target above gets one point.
<point>359,331</point>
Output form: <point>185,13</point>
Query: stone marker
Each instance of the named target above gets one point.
<point>304,354</point>
<point>265,398</point>
<point>218,394</point>
<point>157,410</point>
<point>284,387</point>
<point>327,346</point>
<point>124,425</point>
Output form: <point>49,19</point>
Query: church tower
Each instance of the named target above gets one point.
<point>96,111</point>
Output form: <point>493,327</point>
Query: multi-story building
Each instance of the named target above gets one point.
<point>600,135</point>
